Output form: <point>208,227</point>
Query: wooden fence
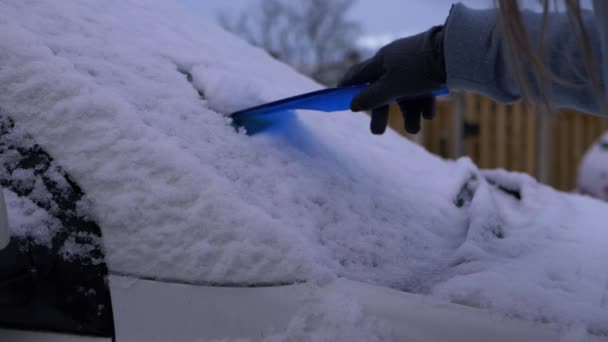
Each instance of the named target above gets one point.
<point>507,136</point>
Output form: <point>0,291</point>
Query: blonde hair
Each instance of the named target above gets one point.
<point>525,58</point>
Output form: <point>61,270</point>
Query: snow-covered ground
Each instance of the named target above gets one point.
<point>130,98</point>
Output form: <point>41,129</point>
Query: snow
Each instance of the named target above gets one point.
<point>550,266</point>
<point>592,178</point>
<point>103,87</point>
<point>28,220</point>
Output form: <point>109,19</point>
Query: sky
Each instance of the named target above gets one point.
<point>381,20</point>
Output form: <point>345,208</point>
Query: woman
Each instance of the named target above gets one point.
<point>552,58</point>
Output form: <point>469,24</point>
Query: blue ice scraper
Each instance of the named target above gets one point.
<point>258,118</point>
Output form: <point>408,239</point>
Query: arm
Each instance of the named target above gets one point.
<point>467,54</point>
<point>475,59</point>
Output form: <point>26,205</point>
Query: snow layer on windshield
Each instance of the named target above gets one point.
<point>177,192</point>
<point>29,220</point>
<point>104,88</point>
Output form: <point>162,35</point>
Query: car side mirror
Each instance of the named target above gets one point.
<point>5,236</point>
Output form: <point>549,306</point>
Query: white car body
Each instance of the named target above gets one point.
<point>182,312</point>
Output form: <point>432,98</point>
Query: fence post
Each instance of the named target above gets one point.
<point>542,145</point>
<point>458,115</point>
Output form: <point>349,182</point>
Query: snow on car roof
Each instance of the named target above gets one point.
<point>130,98</point>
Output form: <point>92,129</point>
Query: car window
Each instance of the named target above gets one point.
<point>53,272</point>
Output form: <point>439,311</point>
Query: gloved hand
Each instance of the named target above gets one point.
<point>408,68</point>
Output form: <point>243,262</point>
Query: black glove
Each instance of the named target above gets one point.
<point>406,70</point>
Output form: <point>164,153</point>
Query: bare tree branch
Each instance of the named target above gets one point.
<point>315,36</point>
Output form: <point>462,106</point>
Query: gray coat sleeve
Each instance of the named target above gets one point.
<point>475,60</point>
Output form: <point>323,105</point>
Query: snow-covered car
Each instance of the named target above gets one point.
<point>138,213</point>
